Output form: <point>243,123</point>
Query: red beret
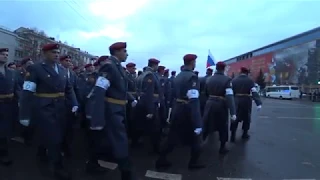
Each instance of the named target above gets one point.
<point>131,65</point>
<point>181,67</point>
<point>75,68</point>
<point>118,46</point>
<point>190,57</point>
<point>96,63</point>
<point>25,60</point>
<point>102,58</point>
<point>244,70</point>
<point>87,65</point>
<point>49,47</point>
<point>62,58</point>
<point>4,50</point>
<point>161,68</point>
<point>221,65</point>
<point>154,60</point>
<point>210,70</point>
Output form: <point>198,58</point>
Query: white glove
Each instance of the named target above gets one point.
<point>259,108</point>
<point>134,103</point>
<point>74,109</point>
<point>233,117</point>
<point>159,105</point>
<point>25,122</point>
<point>96,128</point>
<point>149,116</point>
<point>198,131</point>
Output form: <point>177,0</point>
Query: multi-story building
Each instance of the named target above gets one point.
<point>38,38</point>
<point>18,46</point>
<point>295,60</point>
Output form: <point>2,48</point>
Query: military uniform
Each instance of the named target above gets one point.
<point>9,90</point>
<point>47,87</point>
<point>220,101</point>
<point>167,93</point>
<point>203,93</point>
<point>109,99</point>
<point>244,91</point>
<point>186,123</point>
<point>149,94</point>
<point>163,105</point>
<point>133,91</point>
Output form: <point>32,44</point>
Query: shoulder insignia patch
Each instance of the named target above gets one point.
<point>149,80</point>
<point>194,84</point>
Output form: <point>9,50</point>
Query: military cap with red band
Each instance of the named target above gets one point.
<point>25,60</point>
<point>161,68</point>
<point>102,58</point>
<point>4,50</point>
<point>189,57</point>
<point>220,65</point>
<point>63,58</point>
<point>49,47</point>
<point>210,70</point>
<point>154,60</point>
<point>118,46</point>
<point>129,65</point>
<point>87,65</point>
<point>244,70</point>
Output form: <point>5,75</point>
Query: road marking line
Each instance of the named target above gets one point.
<point>163,175</point>
<point>298,118</point>
<point>222,178</point>
<point>263,117</point>
<point>108,165</point>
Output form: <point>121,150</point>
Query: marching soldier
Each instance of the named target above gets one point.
<point>9,90</point>
<point>47,86</point>
<point>27,132</point>
<point>162,110</point>
<point>219,103</point>
<point>70,116</point>
<point>171,79</point>
<point>131,75</point>
<point>244,91</point>
<point>203,93</point>
<point>167,93</point>
<point>186,122</point>
<point>109,98</point>
<point>147,117</point>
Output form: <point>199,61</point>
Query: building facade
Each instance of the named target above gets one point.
<point>18,46</point>
<point>295,60</point>
<point>37,39</point>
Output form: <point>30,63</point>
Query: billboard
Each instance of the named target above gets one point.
<point>295,65</point>
<point>254,64</point>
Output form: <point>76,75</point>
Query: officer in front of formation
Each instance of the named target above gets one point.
<point>132,89</point>
<point>47,87</point>
<point>109,99</point>
<point>147,121</point>
<point>9,90</point>
<point>203,93</point>
<point>186,122</point>
<point>70,116</point>
<point>244,91</point>
<point>219,103</point>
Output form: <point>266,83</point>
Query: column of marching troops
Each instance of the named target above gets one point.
<point>114,105</point>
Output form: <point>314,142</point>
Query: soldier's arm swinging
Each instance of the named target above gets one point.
<point>29,88</point>
<point>230,98</point>
<point>194,103</point>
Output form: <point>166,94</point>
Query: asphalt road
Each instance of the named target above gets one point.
<point>284,144</point>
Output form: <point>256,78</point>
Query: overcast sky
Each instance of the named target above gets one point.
<point>165,29</point>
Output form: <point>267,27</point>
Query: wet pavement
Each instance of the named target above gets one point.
<point>284,144</point>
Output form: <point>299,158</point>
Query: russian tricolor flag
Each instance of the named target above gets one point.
<point>210,60</point>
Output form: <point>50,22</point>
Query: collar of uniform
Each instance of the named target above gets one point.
<point>115,60</point>
<point>149,69</point>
